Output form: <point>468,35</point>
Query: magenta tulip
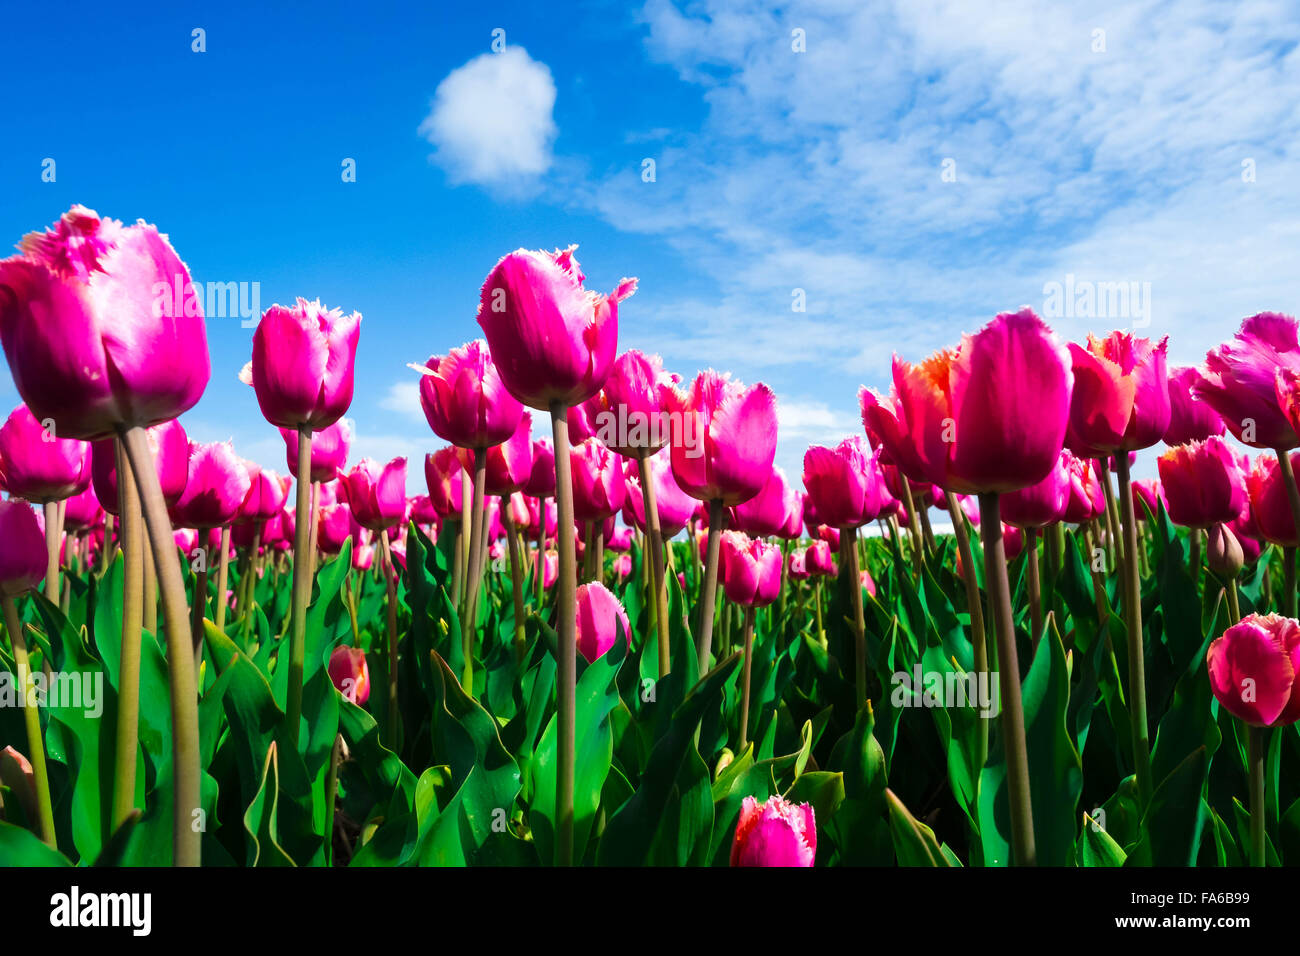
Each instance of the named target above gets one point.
<point>464,399</point>
<point>170,447</point>
<point>1121,392</point>
<point>377,494</point>
<point>598,486</point>
<point>329,450</point>
<point>1254,668</point>
<point>443,474</point>
<point>601,621</point>
<point>541,479</point>
<point>1240,380</point>
<point>751,569</point>
<point>39,465</point>
<point>350,674</point>
<point>774,833</point>
<point>1087,497</point>
<point>23,557</point>
<point>674,505</point>
<point>726,442</point>
<point>509,463</point>
<point>217,485</point>
<point>1190,419</point>
<point>845,483</point>
<point>1268,500</point>
<point>1203,483</point>
<point>82,512</point>
<point>267,492</point>
<point>630,412</point>
<point>1043,503</point>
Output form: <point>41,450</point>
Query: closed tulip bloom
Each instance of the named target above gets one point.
<point>302,367</point>
<point>1121,392</point>
<point>82,512</point>
<point>845,482</point>
<point>1190,419</point>
<point>553,341</point>
<point>349,673</point>
<point>622,566</point>
<point>37,464</point>
<point>170,447</point>
<point>509,463</point>
<point>377,494</point>
<point>632,403</point>
<point>1013,541</point>
<point>767,513</point>
<point>798,565</point>
<point>868,582</point>
<point>725,445</point>
<point>752,574</point>
<point>601,621</point>
<point>550,568</point>
<point>989,416</point>
<point>1203,483</point>
<point>775,833</point>
<point>598,487</point>
<point>675,506</point>
<point>582,419</point>
<point>266,494</point>
<point>1149,495</point>
<point>23,556</point>
<point>443,473</point>
<point>1043,503</point>
<point>1268,500</point>
<point>187,540</point>
<point>819,560</point>
<point>329,450</point>
<point>1086,498</point>
<point>1240,380</point>
<point>1224,554</point>
<point>464,400</point>
<point>217,486</point>
<point>363,554</point>
<point>101,326</point>
<point>333,527</point>
<point>617,539</point>
<point>541,479</point>
<point>1253,670</point>
<point>539,510</point>
<point>793,527</point>
<point>422,510</point>
<point>830,535</point>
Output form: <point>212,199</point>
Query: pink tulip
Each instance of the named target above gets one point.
<point>1241,381</point>
<point>631,407</point>
<point>868,582</point>
<point>267,492</point>
<point>1087,497</point>
<point>774,833</point>
<point>1013,541</point>
<point>39,465</point>
<point>725,445</point>
<point>302,367</point>
<point>422,510</point>
<point>675,506</point>
<point>1253,670</point>
<point>1149,495</point>
<point>541,479</point>
<point>751,569</point>
<point>536,509</point>
<point>82,512</point>
<point>187,539</point>
<point>818,559</point>
<point>1203,483</point>
<point>623,566</point>
<point>797,566</point>
<point>845,483</point>
<point>350,674</point>
<point>101,326</point>
<point>1189,418</point>
<point>618,539</point>
<point>377,494</point>
<point>553,341</point>
<point>768,512</point>
<point>464,400</point>
<point>23,556</point>
<point>987,417</point>
<point>443,474</point>
<point>1042,503</point>
<point>598,488</point>
<point>333,527</point>
<point>509,463</point>
<point>329,450</point>
<point>1268,500</point>
<point>550,569</point>
<point>601,621</point>
<point>217,485</point>
<point>1121,392</point>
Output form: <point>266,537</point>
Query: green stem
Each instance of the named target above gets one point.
<point>744,679</point>
<point>31,718</point>
<point>566,621</point>
<point>394,711</point>
<point>186,801</point>
<point>849,552</point>
<point>223,570</point>
<point>473,569</point>
<point>913,526</point>
<point>127,740</point>
<point>1255,750</point>
<point>1033,585</point>
<point>303,520</point>
<point>516,575</point>
<point>975,604</point>
<point>1013,717</point>
<point>1132,606</point>
<point>52,536</point>
<point>708,593</point>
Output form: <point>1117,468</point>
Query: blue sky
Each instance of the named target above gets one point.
<point>912,167</point>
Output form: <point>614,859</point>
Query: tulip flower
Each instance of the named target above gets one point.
<point>38,464</point>
<point>266,495</point>
<point>541,478</point>
<point>768,512</point>
<point>22,566</point>
<point>1087,498</point>
<point>798,565</point>
<point>1268,500</point>
<point>675,506</point>
<point>508,464</point>
<point>350,674</point>
<point>377,494</point>
<point>820,561</point>
<point>442,473</point>
<point>169,447</point>
<point>601,620</point>
<point>1042,503</point>
<point>1147,495</point>
<point>1203,483</point>
<point>82,512</point>
<point>774,833</point>
<point>1225,557</point>
<point>423,512</point>
<point>1121,392</point>
<point>217,485</point>
<point>1254,669</point>
<point>598,488</point>
<point>1240,380</point>
<point>329,450</point>
<point>629,414</point>
<point>464,399</point>
<point>1190,419</point>
<point>334,527</point>
<point>845,484</point>
<point>751,577</point>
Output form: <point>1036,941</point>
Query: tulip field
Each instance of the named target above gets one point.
<point>965,635</point>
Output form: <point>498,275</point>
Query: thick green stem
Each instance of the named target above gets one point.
<point>1033,584</point>
<point>516,575</point>
<point>654,544</point>
<point>223,571</point>
<point>708,592</point>
<point>187,834</point>
<point>1255,751</point>
<point>303,520</point>
<point>1132,605</point>
<point>31,719</point>
<point>566,623</point>
<point>473,569</point>
<point>127,740</point>
<point>849,553</point>
<point>975,604</point>
<point>150,621</point>
<point>539,570</point>
<point>394,711</point>
<point>1013,716</point>
<point>53,534</point>
<point>744,678</point>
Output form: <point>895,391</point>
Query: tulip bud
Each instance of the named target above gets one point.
<point>601,620</point>
<point>775,833</point>
<point>23,555</point>
<point>724,761</point>
<point>350,674</point>
<point>16,773</point>
<point>1223,552</point>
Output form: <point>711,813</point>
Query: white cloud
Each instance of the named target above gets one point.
<point>491,120</point>
<point>404,398</point>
